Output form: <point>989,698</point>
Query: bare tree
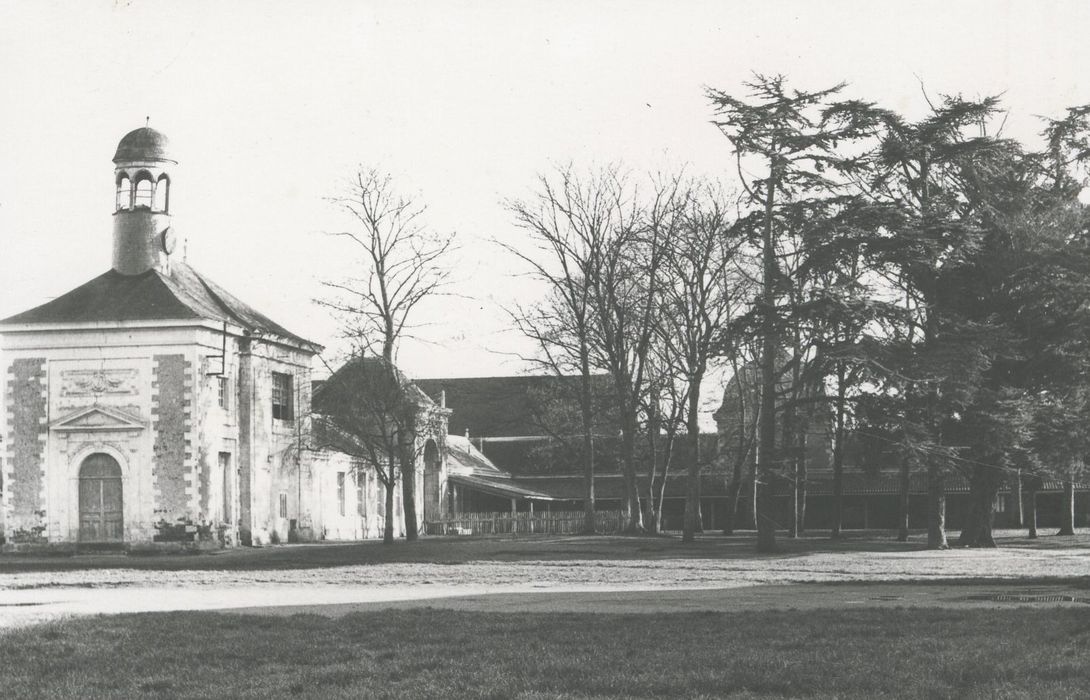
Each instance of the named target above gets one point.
<point>663,410</point>
<point>569,222</point>
<point>402,263</point>
<point>600,251</point>
<point>702,291</point>
<point>626,297</point>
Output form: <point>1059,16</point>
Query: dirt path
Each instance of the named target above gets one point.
<point>556,585</point>
<point>748,598</point>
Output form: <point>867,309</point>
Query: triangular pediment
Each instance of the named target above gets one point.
<point>95,418</point>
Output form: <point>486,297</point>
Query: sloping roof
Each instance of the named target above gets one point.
<point>469,467</point>
<point>467,459</point>
<point>497,406</point>
<point>152,296</point>
<point>500,487</point>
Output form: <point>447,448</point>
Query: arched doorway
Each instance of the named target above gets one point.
<point>432,497</point>
<point>100,501</point>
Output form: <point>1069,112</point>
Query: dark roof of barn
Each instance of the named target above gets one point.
<point>153,296</point>
<point>493,406</point>
<point>143,144</point>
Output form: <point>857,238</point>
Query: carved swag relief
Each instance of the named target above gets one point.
<point>98,382</point>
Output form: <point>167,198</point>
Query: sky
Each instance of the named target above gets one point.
<point>272,106</point>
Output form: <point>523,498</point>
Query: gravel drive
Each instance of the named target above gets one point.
<point>36,596</point>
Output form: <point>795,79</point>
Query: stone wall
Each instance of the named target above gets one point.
<point>26,401</point>
<point>170,409</point>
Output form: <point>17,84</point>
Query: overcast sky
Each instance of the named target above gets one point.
<point>270,106</point>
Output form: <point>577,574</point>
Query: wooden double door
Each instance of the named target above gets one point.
<point>101,501</point>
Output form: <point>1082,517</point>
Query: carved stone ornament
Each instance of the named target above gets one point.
<point>97,419</point>
<point>98,382</point>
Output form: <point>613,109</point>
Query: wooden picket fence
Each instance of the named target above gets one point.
<point>547,523</point>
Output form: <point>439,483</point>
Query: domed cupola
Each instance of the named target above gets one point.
<point>142,235</point>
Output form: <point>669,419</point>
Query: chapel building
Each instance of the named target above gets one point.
<point>151,405</point>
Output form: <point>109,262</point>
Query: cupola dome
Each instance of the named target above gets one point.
<point>143,145</point>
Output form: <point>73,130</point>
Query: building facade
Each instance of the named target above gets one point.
<point>151,405</point>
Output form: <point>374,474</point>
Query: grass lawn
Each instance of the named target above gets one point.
<point>1022,652</point>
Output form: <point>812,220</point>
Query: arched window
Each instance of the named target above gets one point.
<point>143,191</point>
<point>124,193</point>
<point>162,194</point>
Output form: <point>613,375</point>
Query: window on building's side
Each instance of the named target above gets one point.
<point>340,492</point>
<point>281,396</point>
<point>223,395</point>
<point>143,192</point>
<point>124,193</point>
<point>361,493</point>
<point>283,504</point>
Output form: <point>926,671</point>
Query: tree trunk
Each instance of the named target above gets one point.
<point>1020,513</point>
<point>649,520</point>
<point>388,529</point>
<point>753,495</point>
<point>1033,484</point>
<point>1067,513</point>
<point>692,491</point>
<point>969,530</point>
<point>633,512</point>
<point>800,484</point>
<point>699,507</point>
<point>983,488</point>
<point>653,429</point>
<point>793,532</point>
<point>586,416</point>
<point>766,456</point>
<point>838,452</point>
<point>408,487</point>
<point>667,461</point>
<point>734,491</point>
<point>658,509</point>
<point>936,509</point>
<point>903,500</point>
<point>787,452</point>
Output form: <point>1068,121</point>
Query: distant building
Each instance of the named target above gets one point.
<point>518,460</point>
<point>525,448</point>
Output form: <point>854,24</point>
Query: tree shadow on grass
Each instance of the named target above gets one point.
<point>513,549</point>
